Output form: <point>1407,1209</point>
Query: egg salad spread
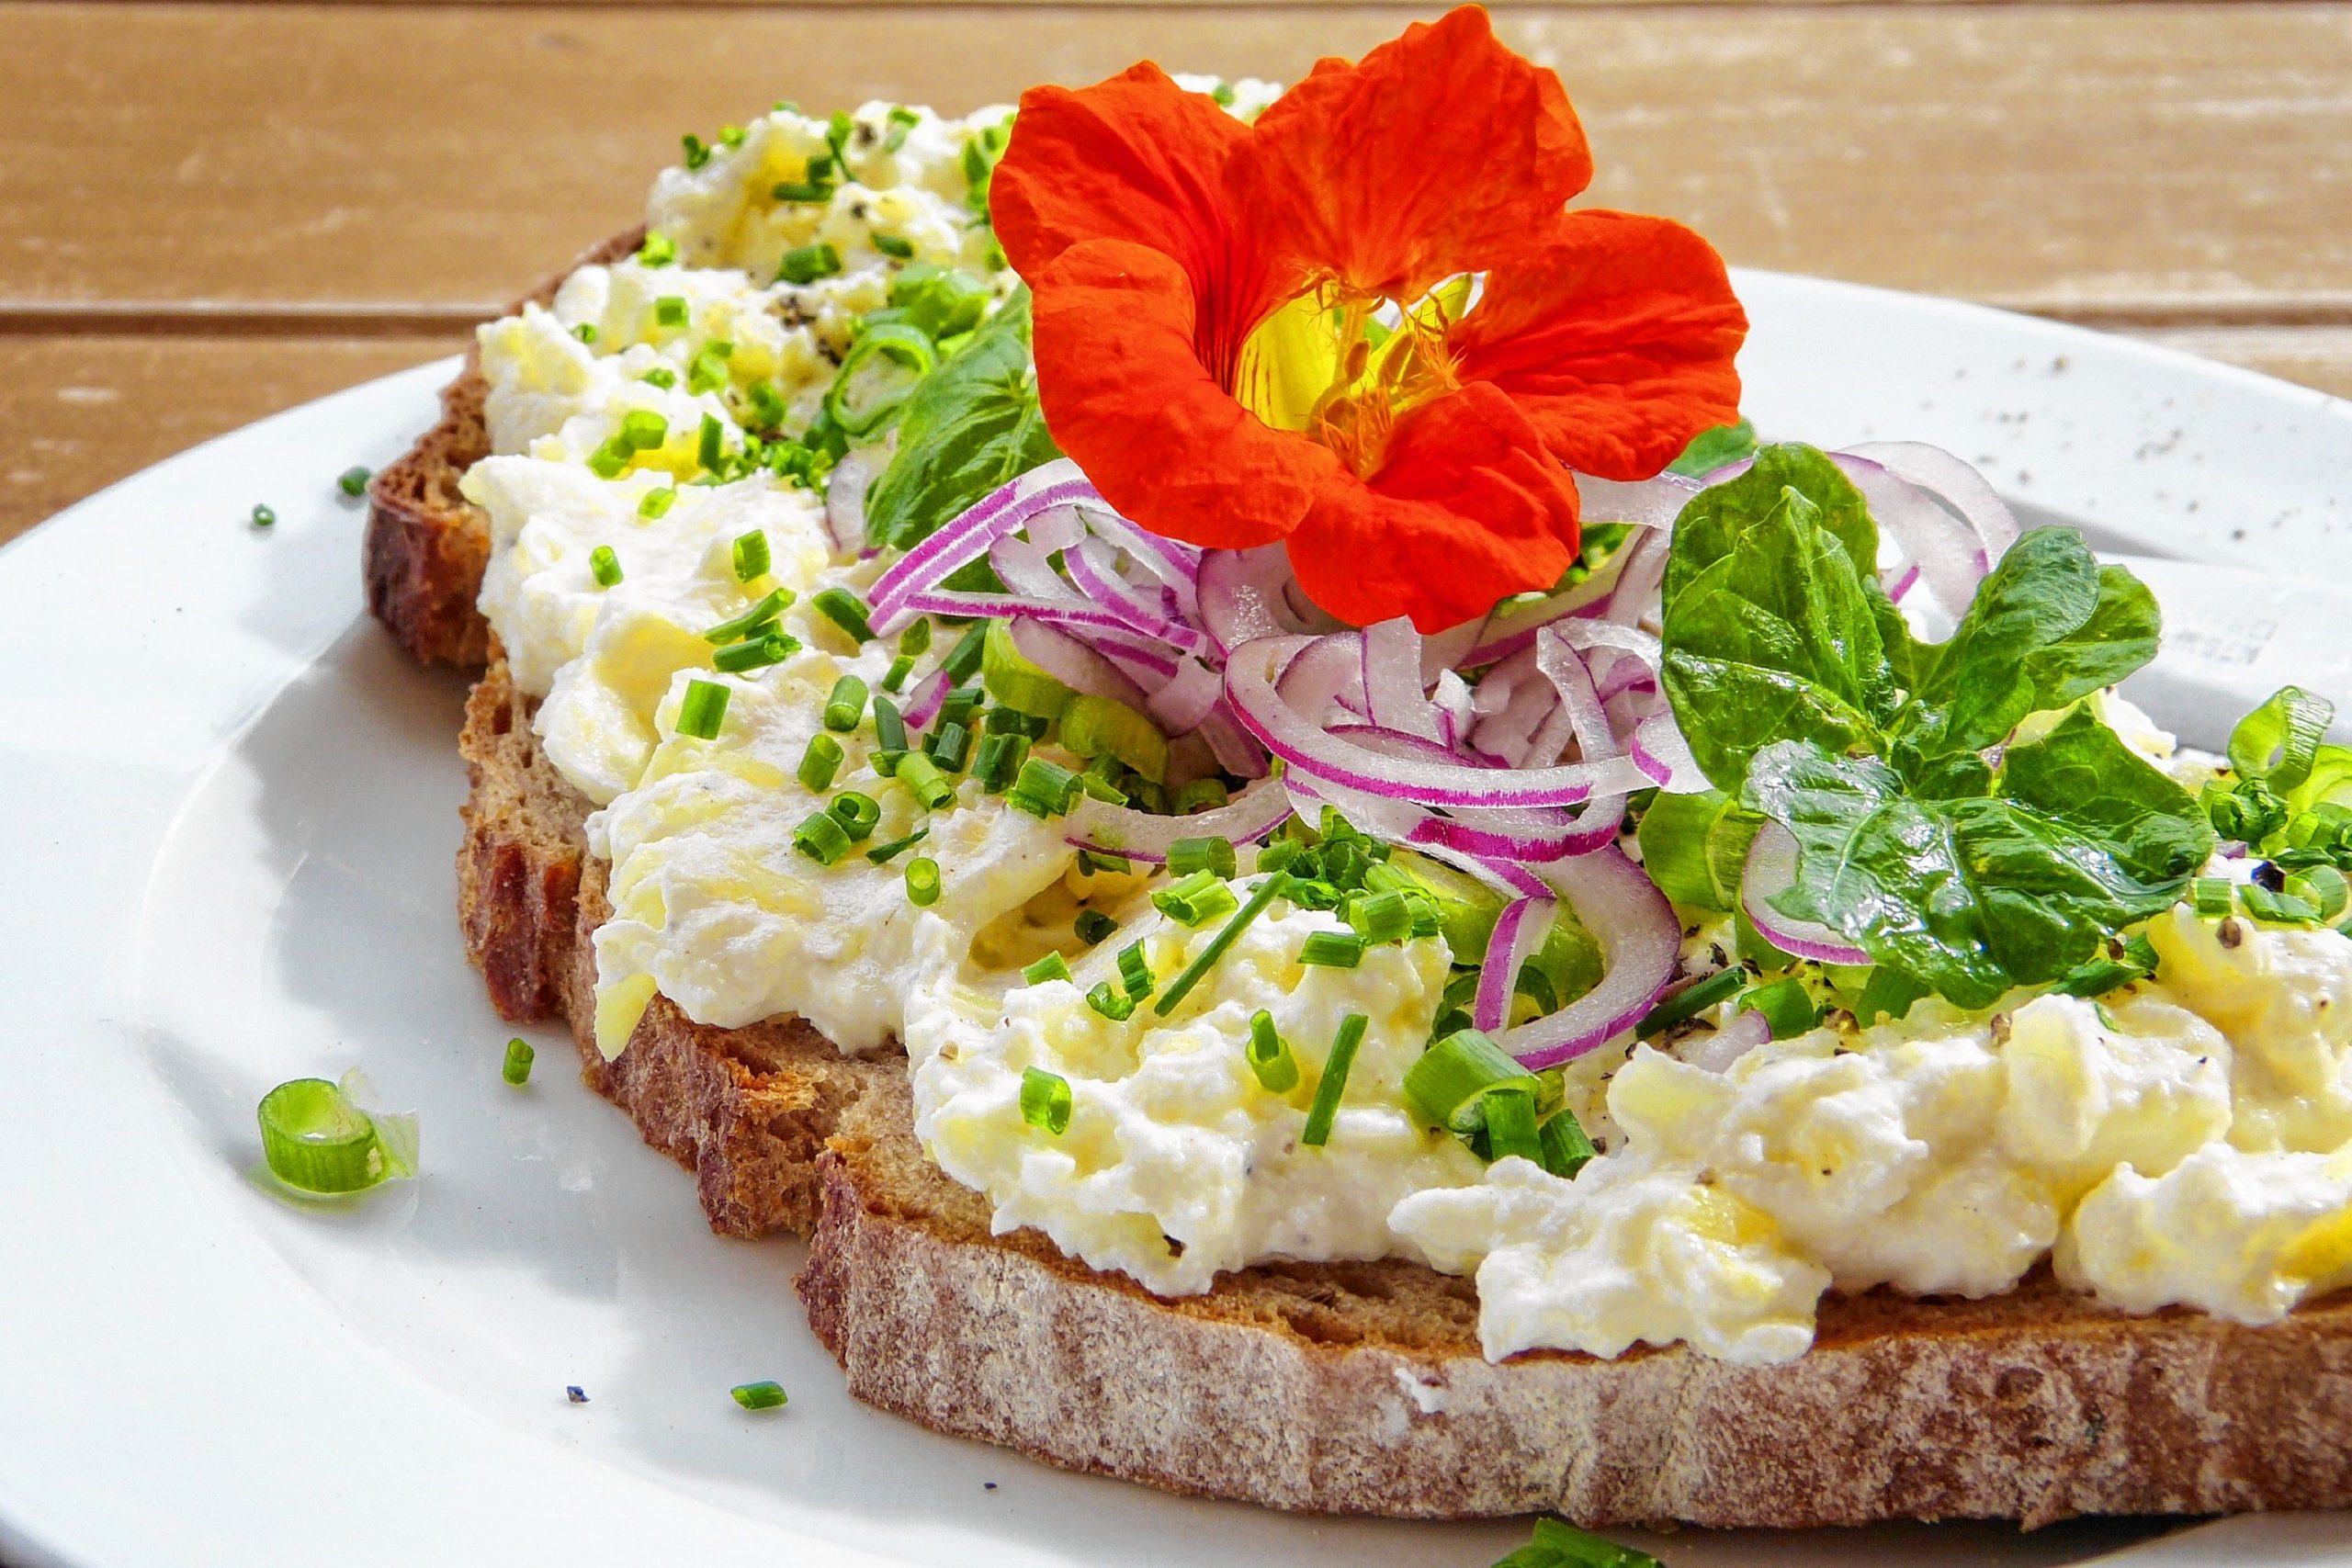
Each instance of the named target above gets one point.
<point>1680,941</point>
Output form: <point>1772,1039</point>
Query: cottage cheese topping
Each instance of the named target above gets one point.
<point>1177,1162</point>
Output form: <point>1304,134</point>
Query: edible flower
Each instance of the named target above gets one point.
<point>1366,325</point>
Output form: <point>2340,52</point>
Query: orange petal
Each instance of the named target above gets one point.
<point>1127,397</point>
<point>1467,508</point>
<point>1439,153</point>
<point>1133,158</point>
<point>1616,335</point>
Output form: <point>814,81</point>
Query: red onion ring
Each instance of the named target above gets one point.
<point>1771,869</point>
<point>1641,949</point>
<point>1518,931</point>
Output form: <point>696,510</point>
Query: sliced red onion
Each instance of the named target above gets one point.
<point>1236,752</point>
<point>923,703</point>
<point>1772,869</point>
<point>1716,1051</point>
<point>1109,830</point>
<point>1173,561</point>
<point>1074,664</point>
<point>845,495</point>
<point>1241,596</point>
<point>1938,472</point>
<point>1641,949</point>
<point>1650,503</point>
<point>1636,593</point>
<point>1518,931</point>
<point>1395,694</point>
<point>1506,634</point>
<point>1452,701</point>
<point>1096,576</point>
<point>1301,741</point>
<point>1063,615</point>
<point>1664,756</point>
<point>1904,580</point>
<point>1187,699</point>
<point>1942,548</point>
<point>967,538</point>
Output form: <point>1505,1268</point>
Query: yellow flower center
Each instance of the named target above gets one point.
<point>1324,366</point>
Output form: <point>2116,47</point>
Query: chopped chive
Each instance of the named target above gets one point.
<point>844,608</point>
<point>1332,950</point>
<point>889,725</point>
<point>2323,887</point>
<point>965,657</point>
<point>1562,1144</point>
<point>758,653</point>
<point>1194,899</point>
<point>1092,861</point>
<point>923,881</point>
<point>1043,789</point>
<point>1225,937</point>
<point>1111,1002</point>
<point>768,1395</point>
<point>1278,855</point>
<point>2283,908</point>
<point>858,812</point>
<point>1000,757</point>
<point>644,430</point>
<point>1381,918</point>
<point>585,331</point>
<point>706,372</point>
<point>2213,896</point>
<point>659,249</point>
<point>916,638</point>
<point>959,705</point>
<point>661,375</point>
<point>1053,966</point>
<point>264,518</point>
<point>354,481</point>
<point>710,445</point>
<point>950,745</point>
<point>1788,1007</point>
<point>1201,795</point>
<point>846,707</point>
<point>752,557</point>
<point>702,710</point>
<point>1093,925</point>
<point>902,120</point>
<point>1270,1056</point>
<point>1135,970</point>
<point>1334,1082</point>
<point>821,837</point>
<point>607,460</point>
<point>1214,855</point>
<point>883,854</point>
<point>925,781</point>
<point>1001,721</point>
<point>807,264</point>
<point>894,679</point>
<point>1691,1001</point>
<point>516,1069</point>
<point>605,566</point>
<point>656,503</point>
<point>1045,1100</point>
<point>821,762</point>
<point>801,190</point>
<point>1510,1124</point>
<point>892,245</point>
<point>670,311</point>
<point>770,606</point>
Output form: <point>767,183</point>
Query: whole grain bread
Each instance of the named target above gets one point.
<point>1360,1387</point>
<point>427,545</point>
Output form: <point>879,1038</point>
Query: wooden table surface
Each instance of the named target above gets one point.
<point>210,211</point>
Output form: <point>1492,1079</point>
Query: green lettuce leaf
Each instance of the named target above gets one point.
<point>973,425</point>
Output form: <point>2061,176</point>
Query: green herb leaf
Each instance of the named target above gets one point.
<point>1712,449</point>
<point>972,425</point>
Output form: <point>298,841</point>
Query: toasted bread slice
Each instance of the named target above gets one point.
<point>1360,1387</point>
<point>427,545</point>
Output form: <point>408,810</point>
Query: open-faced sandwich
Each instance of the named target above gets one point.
<point>1116,712</point>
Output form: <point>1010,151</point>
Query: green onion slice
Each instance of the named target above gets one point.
<point>516,1069</point>
<point>1045,1100</point>
<point>766,1396</point>
<point>877,376</point>
<point>1267,892</point>
<point>1332,950</point>
<point>702,710</point>
<point>2277,741</point>
<point>1510,1124</point>
<point>766,610</point>
<point>923,881</point>
<point>1444,1086</point>
<point>2214,897</point>
<point>1214,855</point>
<point>1053,966</point>
<point>1272,1062</point>
<point>319,1140</point>
<point>1692,999</point>
<point>1334,1082</point>
<point>752,558</point>
<point>846,610</point>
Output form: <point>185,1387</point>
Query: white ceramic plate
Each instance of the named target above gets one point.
<point>231,810</point>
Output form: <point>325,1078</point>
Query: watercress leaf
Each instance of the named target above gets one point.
<point>1712,522</point>
<point>1973,894</point>
<point>1773,639</point>
<point>971,426</point>
<point>1694,846</point>
<point>2048,625</point>
<point>1715,449</point>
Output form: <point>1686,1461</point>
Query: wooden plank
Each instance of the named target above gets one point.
<point>89,411</point>
<point>2315,357</point>
<point>2148,164</point>
<point>84,411</point>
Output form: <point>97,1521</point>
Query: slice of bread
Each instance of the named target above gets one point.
<point>1360,1387</point>
<point>427,545</point>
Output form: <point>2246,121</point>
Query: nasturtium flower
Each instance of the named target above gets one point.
<point>1366,325</point>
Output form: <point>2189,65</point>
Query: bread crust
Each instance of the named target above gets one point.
<point>1360,1387</point>
<point>427,545</point>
